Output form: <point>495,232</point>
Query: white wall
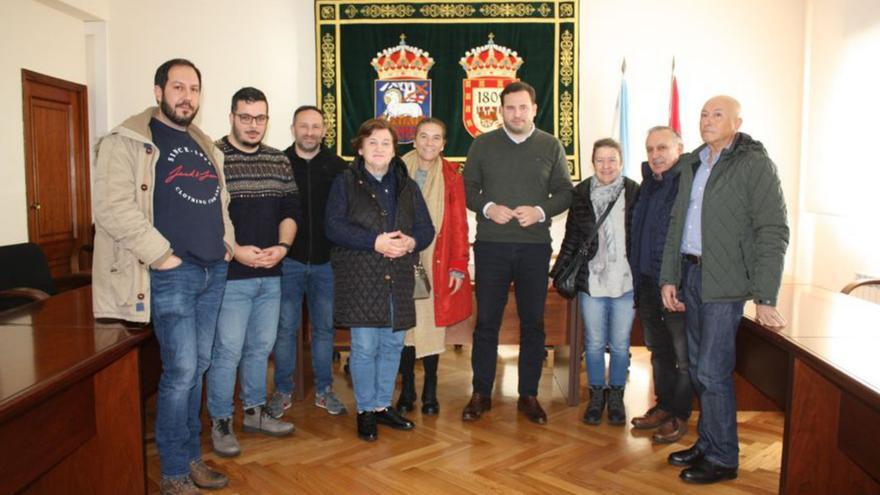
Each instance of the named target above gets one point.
<point>40,39</point>
<point>749,49</point>
<point>839,234</point>
<point>267,44</point>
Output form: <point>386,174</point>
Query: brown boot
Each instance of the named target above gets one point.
<point>206,477</point>
<point>671,431</point>
<point>651,419</point>
<point>476,407</point>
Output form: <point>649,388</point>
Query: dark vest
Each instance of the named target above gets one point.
<point>365,282</point>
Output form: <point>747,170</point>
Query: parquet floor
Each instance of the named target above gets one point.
<point>500,454</point>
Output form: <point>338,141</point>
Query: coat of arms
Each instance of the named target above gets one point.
<point>402,94</point>
<point>490,68</point>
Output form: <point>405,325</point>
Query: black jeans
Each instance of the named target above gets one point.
<point>666,338</point>
<point>497,265</point>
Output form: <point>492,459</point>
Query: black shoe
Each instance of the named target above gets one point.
<point>616,408</point>
<point>687,457</point>
<point>593,413</point>
<point>366,423</point>
<point>405,403</point>
<point>705,472</point>
<point>431,408</point>
<point>390,417</point>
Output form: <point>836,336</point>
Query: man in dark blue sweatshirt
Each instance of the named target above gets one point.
<point>665,333</point>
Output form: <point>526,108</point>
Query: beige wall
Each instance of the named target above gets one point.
<point>840,172</point>
<point>267,44</point>
<point>41,39</point>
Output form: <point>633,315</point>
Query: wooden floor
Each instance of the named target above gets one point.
<point>502,453</point>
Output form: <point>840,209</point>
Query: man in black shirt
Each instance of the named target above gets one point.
<point>306,270</point>
<point>263,209</point>
<point>162,241</point>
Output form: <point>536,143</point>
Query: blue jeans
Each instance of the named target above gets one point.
<point>245,336</point>
<point>711,331</point>
<point>607,322</point>
<point>375,357</point>
<point>185,303</point>
<point>316,283</point>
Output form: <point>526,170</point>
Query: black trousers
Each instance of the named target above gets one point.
<point>497,265</point>
<point>666,338</point>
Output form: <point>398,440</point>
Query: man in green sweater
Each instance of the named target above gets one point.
<point>516,179</point>
<point>726,244</point>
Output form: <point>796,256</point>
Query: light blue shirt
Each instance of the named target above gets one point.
<point>692,239</point>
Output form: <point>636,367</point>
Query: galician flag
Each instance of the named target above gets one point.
<point>674,120</point>
<point>620,129</point>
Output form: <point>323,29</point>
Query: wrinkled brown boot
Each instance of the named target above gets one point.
<point>651,419</point>
<point>206,477</point>
<point>671,431</point>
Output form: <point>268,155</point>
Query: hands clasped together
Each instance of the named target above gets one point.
<point>525,215</point>
<point>394,244</point>
<point>255,257</point>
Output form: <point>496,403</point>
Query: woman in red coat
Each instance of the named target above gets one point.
<point>445,260</point>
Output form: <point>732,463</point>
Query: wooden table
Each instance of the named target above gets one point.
<point>823,371</point>
<point>70,402</point>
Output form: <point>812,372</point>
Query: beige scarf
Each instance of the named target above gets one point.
<point>425,336</point>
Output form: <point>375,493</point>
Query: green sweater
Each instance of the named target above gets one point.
<point>531,173</point>
<point>744,227</point>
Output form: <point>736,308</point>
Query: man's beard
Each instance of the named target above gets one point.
<point>243,138</point>
<point>301,146</point>
<point>168,112</point>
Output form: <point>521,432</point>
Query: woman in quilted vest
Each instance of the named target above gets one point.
<point>445,261</point>
<point>605,283</point>
<point>378,222</point>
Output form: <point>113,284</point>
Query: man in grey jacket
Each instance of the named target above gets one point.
<point>726,244</point>
<point>162,241</point>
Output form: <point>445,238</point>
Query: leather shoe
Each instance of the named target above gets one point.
<point>390,417</point>
<point>529,405</point>
<point>366,425</point>
<point>671,431</point>
<point>431,408</point>
<point>651,419</point>
<point>687,457</point>
<point>476,407</point>
<point>705,472</point>
<point>405,404</point>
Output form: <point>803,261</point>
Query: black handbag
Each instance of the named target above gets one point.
<point>422,289</point>
<point>565,279</point>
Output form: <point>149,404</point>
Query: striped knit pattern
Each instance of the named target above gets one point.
<point>264,174</point>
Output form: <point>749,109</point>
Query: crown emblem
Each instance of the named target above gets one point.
<point>491,60</point>
<point>402,62</point>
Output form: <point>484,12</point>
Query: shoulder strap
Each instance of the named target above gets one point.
<point>585,246</point>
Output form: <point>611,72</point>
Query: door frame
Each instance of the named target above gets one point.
<point>80,180</point>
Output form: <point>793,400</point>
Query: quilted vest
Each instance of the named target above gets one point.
<point>365,282</point>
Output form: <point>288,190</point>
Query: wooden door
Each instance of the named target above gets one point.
<point>57,168</point>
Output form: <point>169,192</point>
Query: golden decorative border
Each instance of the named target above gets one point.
<point>563,14</point>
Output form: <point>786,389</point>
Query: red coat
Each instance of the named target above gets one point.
<point>452,252</point>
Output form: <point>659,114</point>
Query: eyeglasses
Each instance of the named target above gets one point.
<point>248,119</point>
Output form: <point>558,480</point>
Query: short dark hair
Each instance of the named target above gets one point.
<point>305,108</point>
<point>606,143</point>
<point>432,120</point>
<point>161,77</point>
<point>248,95</point>
<point>516,87</point>
<point>368,128</point>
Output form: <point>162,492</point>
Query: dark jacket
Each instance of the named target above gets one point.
<point>744,227</point>
<point>650,223</point>
<point>313,178</point>
<point>366,282</point>
<point>581,223</point>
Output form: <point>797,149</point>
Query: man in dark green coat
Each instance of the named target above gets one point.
<point>726,244</point>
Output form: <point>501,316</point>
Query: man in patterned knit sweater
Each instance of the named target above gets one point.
<point>263,207</point>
